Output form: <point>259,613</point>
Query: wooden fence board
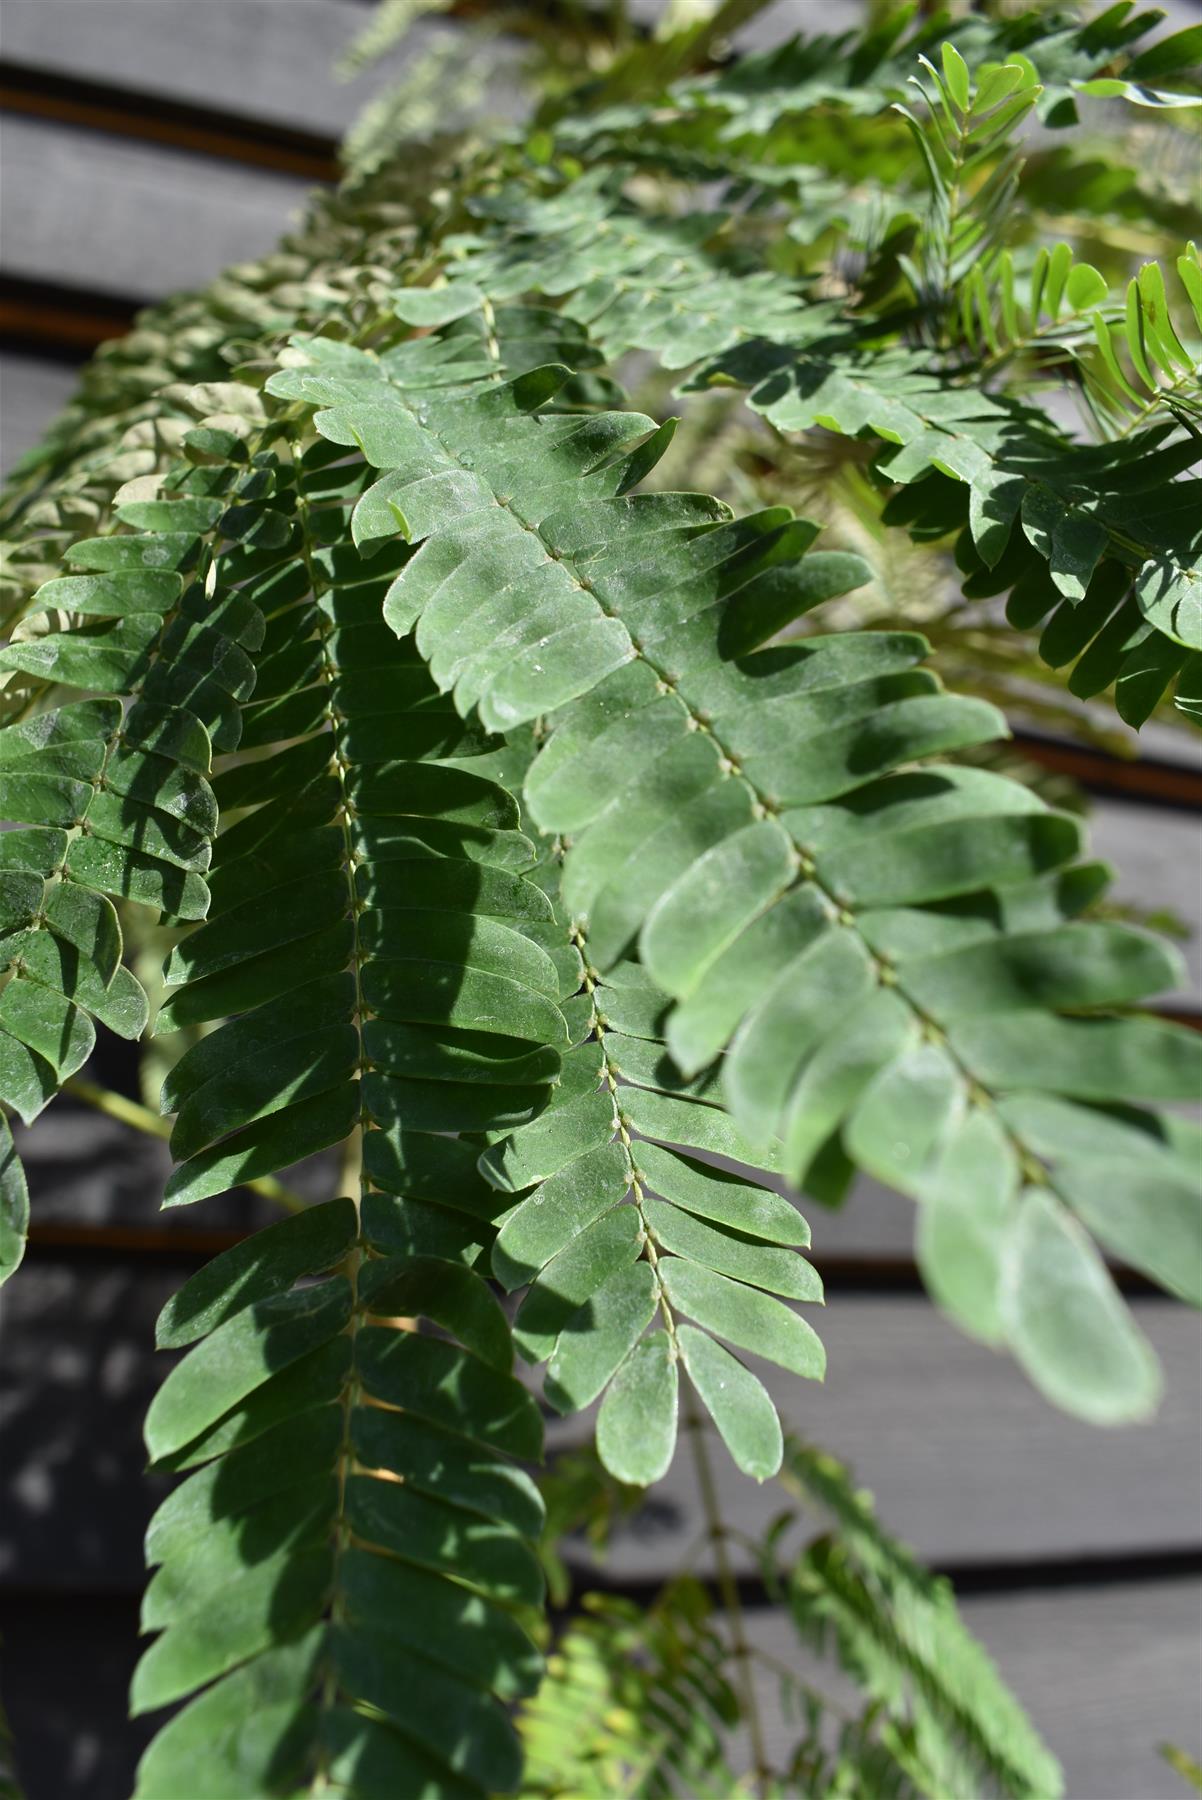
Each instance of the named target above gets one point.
<point>268,60</point>
<point>93,212</point>
<point>32,390</point>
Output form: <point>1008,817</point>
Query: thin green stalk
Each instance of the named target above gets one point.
<point>130,1112</point>
<point>728,1588</point>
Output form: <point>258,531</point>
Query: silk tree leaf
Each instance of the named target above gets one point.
<point>872,1034</point>
<point>706,1019</point>
<point>1146,1213</point>
<point>260,979</point>
<point>368,1756</point>
<point>86,921</point>
<point>120,1004</point>
<point>736,1401</point>
<point>776,1271</point>
<point>27,1080</point>
<point>111,595</point>
<point>969,1198</point>
<point>258,1086</point>
<point>551,1143</point>
<point>20,897</point>
<point>445,1539</point>
<point>449,1467</point>
<point>254,1033</point>
<point>694,1127</point>
<point>452,1296</point>
<point>14,1205</point>
<point>246,931</point>
<point>636,1426</point>
<point>1091,1059</point>
<point>714,902</point>
<point>234,1487</point>
<point>276,1599</point>
<point>744,1317</point>
<point>572,1277</point>
<point>1077,966</point>
<point>48,1023</point>
<point>598,1337</point>
<point>270,1143</point>
<point>461,1727</point>
<point>124,872</point>
<point>558,1210</point>
<point>940,861</point>
<point>254,1727</point>
<point>459,1629</point>
<point>424,990</point>
<point>437,1381</point>
<point>1066,1322</point>
<point>904,1116</point>
<point>773,1042</point>
<point>725,1198</point>
<point>238,1356</point>
<point>109,659</point>
<point>81,722</point>
<point>265,1264</point>
<point>432,1054</point>
<point>26,851</point>
<point>304,1388</point>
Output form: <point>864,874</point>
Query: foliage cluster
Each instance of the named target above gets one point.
<point>563,857</point>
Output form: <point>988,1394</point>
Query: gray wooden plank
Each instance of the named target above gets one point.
<point>1157,856</point>
<point>89,211</point>
<point>32,391</point>
<point>967,1462</point>
<point>272,60</point>
<point>1107,1673</point>
<point>269,60</point>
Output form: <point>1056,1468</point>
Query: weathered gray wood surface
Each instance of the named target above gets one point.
<point>267,60</point>
<point>271,61</point>
<point>32,390</point>
<point>88,210</point>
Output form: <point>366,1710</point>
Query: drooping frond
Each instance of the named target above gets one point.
<point>389,24</point>
<point>637,281</point>
<point>865,1002</point>
<point>109,795</point>
<point>1147,371</point>
<point>345,1559</point>
<point>1093,535</point>
<point>656,1703</point>
<point>895,1627</point>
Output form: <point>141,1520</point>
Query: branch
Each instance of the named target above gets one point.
<point>129,1112</point>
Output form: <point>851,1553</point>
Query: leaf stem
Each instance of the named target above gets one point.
<point>130,1112</point>
<point>728,1587</point>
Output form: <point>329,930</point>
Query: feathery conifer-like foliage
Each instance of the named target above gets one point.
<point>538,846</point>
